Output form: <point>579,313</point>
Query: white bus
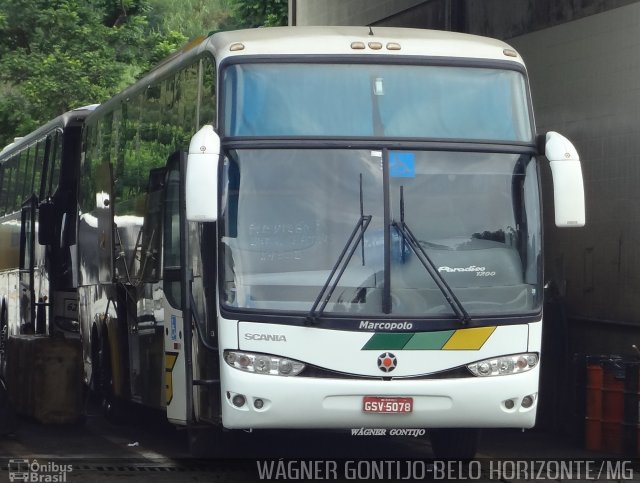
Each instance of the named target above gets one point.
<point>354,241</point>
<point>38,186</point>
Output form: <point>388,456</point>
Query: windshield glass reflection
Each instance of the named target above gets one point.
<point>289,213</point>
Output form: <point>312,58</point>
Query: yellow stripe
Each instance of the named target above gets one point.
<point>469,339</point>
<point>170,359</point>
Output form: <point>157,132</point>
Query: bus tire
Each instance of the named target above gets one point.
<point>454,443</point>
<point>112,407</point>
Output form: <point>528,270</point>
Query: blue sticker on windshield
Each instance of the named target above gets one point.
<point>402,164</point>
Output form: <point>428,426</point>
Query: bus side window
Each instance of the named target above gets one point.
<point>12,184</point>
<point>25,176</point>
<point>26,173</point>
<point>187,94</point>
<point>207,92</point>
<point>3,190</point>
<point>38,161</point>
<point>151,237</point>
<point>171,252</point>
<point>53,172</point>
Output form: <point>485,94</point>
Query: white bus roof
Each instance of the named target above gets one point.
<point>59,122</point>
<point>341,41</point>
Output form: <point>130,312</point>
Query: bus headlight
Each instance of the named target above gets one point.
<point>501,366</point>
<point>263,363</point>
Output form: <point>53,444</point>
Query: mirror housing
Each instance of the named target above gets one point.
<point>568,185</point>
<point>202,176</point>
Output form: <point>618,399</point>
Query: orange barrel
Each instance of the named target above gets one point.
<point>631,429</point>
<point>613,406</point>
<point>593,407</point>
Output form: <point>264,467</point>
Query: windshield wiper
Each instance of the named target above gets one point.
<point>326,292</point>
<point>428,264</point>
<point>341,264</point>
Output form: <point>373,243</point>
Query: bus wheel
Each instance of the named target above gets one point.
<point>454,443</point>
<point>111,405</point>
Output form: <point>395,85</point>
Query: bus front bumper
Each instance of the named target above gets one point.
<point>316,403</point>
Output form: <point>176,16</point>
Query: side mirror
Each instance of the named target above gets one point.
<point>46,223</point>
<point>568,185</point>
<point>202,176</point>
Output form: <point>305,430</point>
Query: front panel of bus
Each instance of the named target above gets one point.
<point>379,244</point>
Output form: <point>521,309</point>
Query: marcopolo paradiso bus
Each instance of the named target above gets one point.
<point>320,228</point>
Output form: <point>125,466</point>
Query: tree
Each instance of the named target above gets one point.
<point>61,54</point>
<point>56,55</point>
<point>258,13</point>
<point>193,18</point>
<point>199,17</point>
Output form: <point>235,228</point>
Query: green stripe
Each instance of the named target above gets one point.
<point>429,340</point>
<point>387,341</point>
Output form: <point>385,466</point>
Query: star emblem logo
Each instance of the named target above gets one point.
<point>387,362</point>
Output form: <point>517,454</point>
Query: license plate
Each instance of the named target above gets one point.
<point>387,405</point>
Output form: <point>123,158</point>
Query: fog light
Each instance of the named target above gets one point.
<point>238,400</point>
<point>527,401</point>
<point>509,404</point>
<point>258,404</point>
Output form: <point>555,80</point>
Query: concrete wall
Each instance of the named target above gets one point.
<point>345,12</point>
<point>434,14</point>
<point>584,81</point>
<point>496,18</point>
<point>504,19</point>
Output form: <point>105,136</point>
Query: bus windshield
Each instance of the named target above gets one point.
<point>287,214</point>
<point>382,100</point>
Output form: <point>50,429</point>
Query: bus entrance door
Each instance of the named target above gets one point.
<point>27,263</point>
<point>192,386</point>
<point>175,339</point>
<point>146,322</point>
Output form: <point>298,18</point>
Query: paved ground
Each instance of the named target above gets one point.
<point>147,448</point>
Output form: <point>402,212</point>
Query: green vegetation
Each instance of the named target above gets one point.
<point>256,13</point>
<point>56,55</point>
